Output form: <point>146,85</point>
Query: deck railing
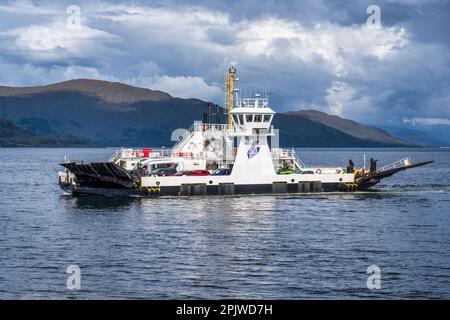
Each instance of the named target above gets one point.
<point>395,165</point>
<point>287,154</point>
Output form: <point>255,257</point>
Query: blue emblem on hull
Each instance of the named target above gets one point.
<point>253,151</point>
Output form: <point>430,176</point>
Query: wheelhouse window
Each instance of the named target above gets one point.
<point>236,119</point>
<point>258,118</point>
<point>267,117</point>
<point>248,118</point>
<point>241,119</point>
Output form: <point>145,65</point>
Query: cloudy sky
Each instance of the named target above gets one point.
<point>312,54</point>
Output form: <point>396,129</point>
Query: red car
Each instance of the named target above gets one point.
<point>194,173</point>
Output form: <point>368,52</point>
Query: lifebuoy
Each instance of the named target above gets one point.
<point>318,171</point>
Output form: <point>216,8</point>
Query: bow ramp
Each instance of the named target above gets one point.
<point>373,178</point>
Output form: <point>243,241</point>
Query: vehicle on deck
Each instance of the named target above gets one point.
<point>221,172</point>
<point>305,172</point>
<point>285,171</point>
<point>193,173</point>
<point>163,172</point>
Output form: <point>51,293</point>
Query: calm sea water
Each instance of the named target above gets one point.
<point>269,247</point>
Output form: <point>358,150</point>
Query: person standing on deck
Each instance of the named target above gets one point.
<point>350,166</point>
<point>373,165</point>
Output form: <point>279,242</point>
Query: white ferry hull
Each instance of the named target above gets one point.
<point>213,185</point>
<point>207,190</point>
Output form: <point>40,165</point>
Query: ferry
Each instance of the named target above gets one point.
<point>239,156</point>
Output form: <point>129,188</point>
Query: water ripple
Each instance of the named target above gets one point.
<point>268,247</point>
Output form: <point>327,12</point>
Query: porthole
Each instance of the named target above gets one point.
<point>157,183</point>
<point>210,182</point>
<point>292,180</point>
<point>340,179</point>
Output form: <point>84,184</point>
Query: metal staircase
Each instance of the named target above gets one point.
<point>186,137</point>
<point>298,163</point>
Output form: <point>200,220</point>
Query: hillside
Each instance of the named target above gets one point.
<point>352,128</point>
<point>111,92</point>
<point>12,136</point>
<point>435,135</point>
<point>298,131</point>
<point>115,114</point>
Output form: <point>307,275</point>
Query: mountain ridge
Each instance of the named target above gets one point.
<point>116,114</point>
<point>112,92</point>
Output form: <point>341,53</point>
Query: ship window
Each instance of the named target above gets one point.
<point>249,118</point>
<point>258,118</point>
<point>241,119</point>
<point>267,118</point>
<point>235,119</point>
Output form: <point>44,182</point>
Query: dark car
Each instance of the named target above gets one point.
<point>305,172</point>
<point>193,173</point>
<point>162,172</point>
<point>222,172</point>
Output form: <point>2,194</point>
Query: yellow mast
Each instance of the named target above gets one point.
<point>229,93</point>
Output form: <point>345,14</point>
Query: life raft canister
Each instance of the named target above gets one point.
<point>146,152</point>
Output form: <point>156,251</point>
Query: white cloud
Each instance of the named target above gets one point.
<point>334,44</point>
<point>31,75</point>
<point>183,25</point>
<point>182,87</point>
<point>80,72</point>
<point>25,7</point>
<point>344,100</point>
<point>54,42</point>
<point>427,121</point>
<point>338,96</point>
